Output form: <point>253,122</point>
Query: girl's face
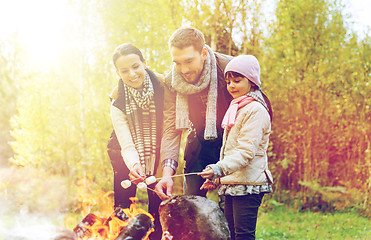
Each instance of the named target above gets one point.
<point>131,70</point>
<point>237,86</point>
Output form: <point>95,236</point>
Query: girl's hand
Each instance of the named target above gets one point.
<point>137,174</point>
<point>208,173</point>
<point>208,185</point>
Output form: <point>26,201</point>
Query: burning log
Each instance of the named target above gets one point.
<point>123,224</point>
<point>138,228</point>
<point>193,217</point>
<point>83,229</point>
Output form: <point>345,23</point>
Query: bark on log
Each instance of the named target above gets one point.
<point>193,217</point>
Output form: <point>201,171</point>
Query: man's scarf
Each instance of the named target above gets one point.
<point>208,79</point>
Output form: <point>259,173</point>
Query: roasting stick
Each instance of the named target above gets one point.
<point>153,190</point>
<point>177,175</point>
<point>127,183</point>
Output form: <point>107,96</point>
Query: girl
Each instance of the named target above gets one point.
<point>242,169</point>
<point>136,113</point>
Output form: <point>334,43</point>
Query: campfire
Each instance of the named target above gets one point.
<point>182,217</point>
<point>123,223</point>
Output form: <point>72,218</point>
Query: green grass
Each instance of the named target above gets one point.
<point>286,223</point>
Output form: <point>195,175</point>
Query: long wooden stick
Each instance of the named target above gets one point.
<point>180,175</point>
<point>177,175</point>
<point>153,190</point>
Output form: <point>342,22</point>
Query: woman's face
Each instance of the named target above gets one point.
<point>238,86</point>
<point>131,70</point>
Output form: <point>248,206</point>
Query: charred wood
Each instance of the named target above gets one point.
<point>137,228</point>
<point>82,229</point>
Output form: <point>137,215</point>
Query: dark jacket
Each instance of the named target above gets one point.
<point>119,102</point>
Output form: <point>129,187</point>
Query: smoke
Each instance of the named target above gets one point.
<point>24,225</point>
<point>32,205</point>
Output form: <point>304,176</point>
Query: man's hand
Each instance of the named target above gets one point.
<point>137,174</point>
<point>207,173</point>
<point>164,187</point>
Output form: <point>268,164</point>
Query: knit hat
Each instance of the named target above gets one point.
<point>247,65</point>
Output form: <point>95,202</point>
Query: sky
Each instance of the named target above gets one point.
<point>361,15</point>
<point>40,23</point>
<point>22,14</point>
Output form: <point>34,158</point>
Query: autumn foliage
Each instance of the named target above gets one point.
<point>314,68</point>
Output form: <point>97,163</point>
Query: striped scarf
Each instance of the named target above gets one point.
<point>141,112</point>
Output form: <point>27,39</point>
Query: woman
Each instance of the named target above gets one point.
<point>136,112</point>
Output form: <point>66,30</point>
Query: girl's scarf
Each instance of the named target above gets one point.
<point>231,113</point>
<point>237,103</point>
<point>141,112</point>
<point>208,79</point>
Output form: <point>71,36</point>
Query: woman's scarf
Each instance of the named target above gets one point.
<point>141,112</point>
<point>208,79</point>
<point>237,103</point>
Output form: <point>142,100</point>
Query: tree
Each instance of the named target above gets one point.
<point>311,66</point>
<point>10,63</point>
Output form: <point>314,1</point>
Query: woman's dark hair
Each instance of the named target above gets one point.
<point>126,49</point>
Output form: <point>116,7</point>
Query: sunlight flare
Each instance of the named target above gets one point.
<point>39,25</point>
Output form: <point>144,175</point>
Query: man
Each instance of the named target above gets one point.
<point>196,98</point>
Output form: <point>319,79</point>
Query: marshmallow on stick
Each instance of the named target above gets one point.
<point>126,184</point>
<point>150,180</point>
<point>142,185</point>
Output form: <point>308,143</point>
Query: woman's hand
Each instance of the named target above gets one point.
<point>208,173</point>
<point>137,174</point>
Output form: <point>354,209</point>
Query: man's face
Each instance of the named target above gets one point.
<point>189,62</point>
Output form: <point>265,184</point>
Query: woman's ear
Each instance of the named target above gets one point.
<point>118,73</point>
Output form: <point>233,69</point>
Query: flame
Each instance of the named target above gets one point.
<point>94,227</point>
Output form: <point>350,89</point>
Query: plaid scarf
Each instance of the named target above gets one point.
<point>141,112</point>
<point>258,96</point>
<point>208,79</point>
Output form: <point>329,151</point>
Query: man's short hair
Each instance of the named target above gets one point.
<point>187,36</point>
